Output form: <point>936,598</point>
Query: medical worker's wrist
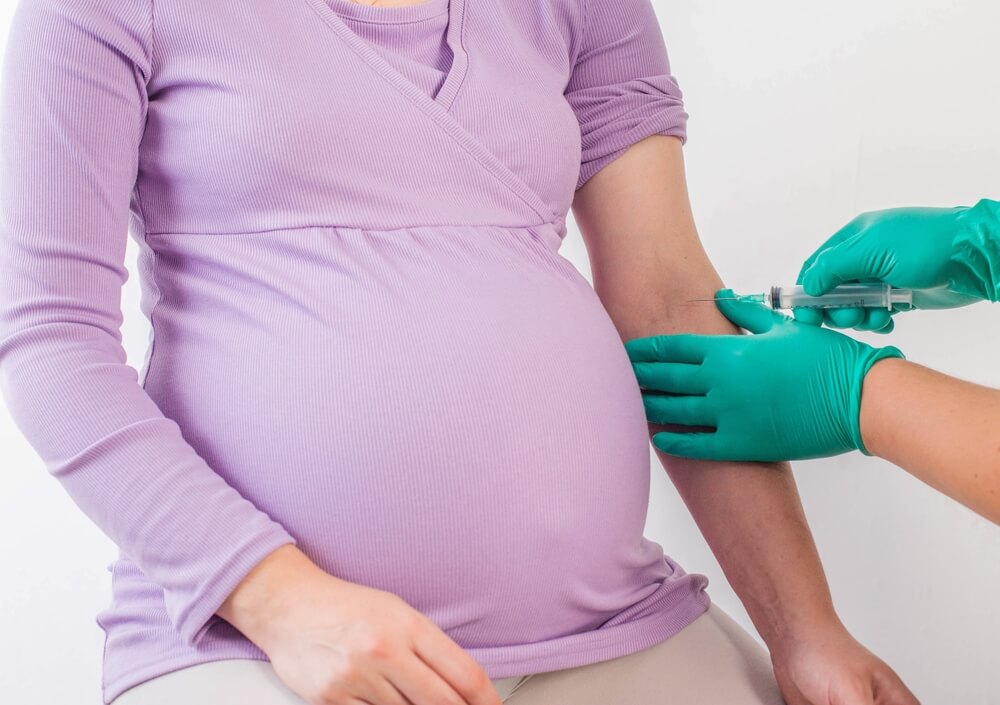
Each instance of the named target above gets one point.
<point>876,414</point>
<point>867,362</point>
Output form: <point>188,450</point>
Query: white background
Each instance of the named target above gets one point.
<point>802,115</point>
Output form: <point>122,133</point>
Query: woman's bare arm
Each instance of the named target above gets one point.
<point>647,260</point>
<point>942,430</point>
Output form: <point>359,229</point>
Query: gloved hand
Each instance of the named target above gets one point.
<point>949,256</point>
<point>789,392</point>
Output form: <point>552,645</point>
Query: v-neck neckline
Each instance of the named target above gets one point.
<point>437,108</point>
<point>389,14</point>
<point>454,37</point>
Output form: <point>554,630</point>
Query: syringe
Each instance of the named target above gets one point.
<point>858,295</point>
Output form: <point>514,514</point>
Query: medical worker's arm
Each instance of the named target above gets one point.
<point>647,261</point>
<point>942,430</point>
<point>793,390</point>
<point>950,257</point>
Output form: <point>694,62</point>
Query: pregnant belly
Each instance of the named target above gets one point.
<point>444,413</point>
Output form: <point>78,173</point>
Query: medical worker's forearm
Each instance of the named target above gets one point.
<point>942,430</point>
<point>647,261</point>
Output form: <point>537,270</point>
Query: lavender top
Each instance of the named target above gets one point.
<point>364,340</point>
<point>413,38</point>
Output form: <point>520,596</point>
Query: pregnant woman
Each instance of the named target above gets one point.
<point>386,446</point>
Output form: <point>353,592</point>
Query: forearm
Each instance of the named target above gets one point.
<point>942,430</point>
<point>749,513</point>
<point>648,262</point>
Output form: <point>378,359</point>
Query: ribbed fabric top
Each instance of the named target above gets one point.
<point>364,339</point>
<point>389,14</point>
<point>410,37</point>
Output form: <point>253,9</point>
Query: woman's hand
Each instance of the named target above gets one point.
<point>789,392</point>
<point>335,642</point>
<point>827,666</point>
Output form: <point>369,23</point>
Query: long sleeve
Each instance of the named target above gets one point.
<point>73,112</point>
<point>621,88</point>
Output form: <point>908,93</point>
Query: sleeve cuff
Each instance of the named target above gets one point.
<point>877,354</point>
<point>194,620</point>
<point>616,121</point>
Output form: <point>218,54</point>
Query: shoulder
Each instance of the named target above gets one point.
<point>126,25</point>
<point>590,23</point>
<point>569,17</point>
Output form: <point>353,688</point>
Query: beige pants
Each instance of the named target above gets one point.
<point>710,662</point>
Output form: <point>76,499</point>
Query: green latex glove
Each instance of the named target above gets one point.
<point>789,392</point>
<point>949,256</point>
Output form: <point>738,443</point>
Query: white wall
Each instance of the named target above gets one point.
<point>802,114</point>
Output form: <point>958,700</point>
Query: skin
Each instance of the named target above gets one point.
<point>334,642</point>
<point>940,429</point>
<point>646,259</point>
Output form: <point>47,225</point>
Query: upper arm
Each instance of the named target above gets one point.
<point>631,201</point>
<point>73,115</point>
<point>74,94</point>
<point>645,254</point>
<point>620,87</point>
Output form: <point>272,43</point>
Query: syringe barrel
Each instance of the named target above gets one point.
<point>855,295</point>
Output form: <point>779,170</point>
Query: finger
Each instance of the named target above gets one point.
<point>668,348</point>
<point>844,317</point>
<point>420,683</point>
<point>687,445</point>
<point>378,689</point>
<point>875,319</point>
<point>848,231</point>
<point>461,673</point>
<point>685,411</point>
<point>811,316</point>
<point>851,260</point>
<point>754,317</point>
<point>672,377</point>
<point>889,327</point>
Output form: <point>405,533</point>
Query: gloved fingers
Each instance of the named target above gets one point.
<point>680,410</point>
<point>670,377</point>
<point>685,347</point>
<point>810,316</point>
<point>754,317</point>
<point>871,319</point>
<point>851,260</point>
<point>844,317</point>
<point>807,264</point>
<point>688,445</point>
<point>875,319</point>
<point>848,231</point>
